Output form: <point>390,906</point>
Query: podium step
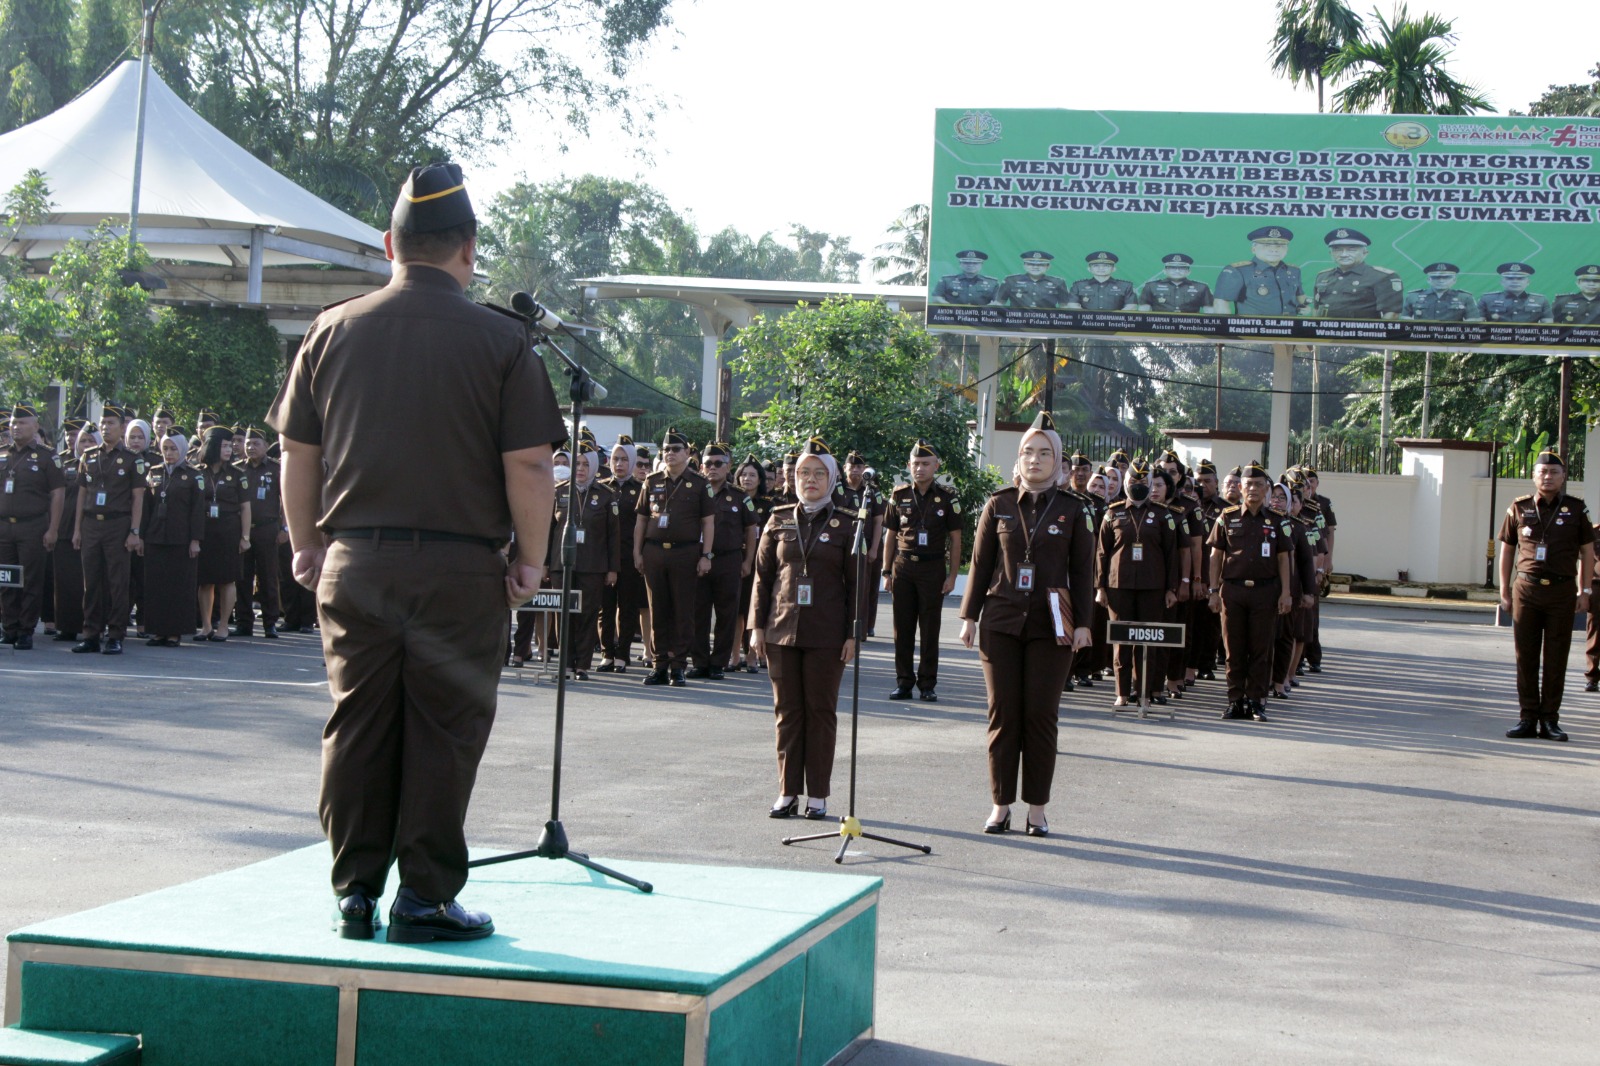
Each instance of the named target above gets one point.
<point>43,1047</point>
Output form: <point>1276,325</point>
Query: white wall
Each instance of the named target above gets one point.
<point>1374,514</point>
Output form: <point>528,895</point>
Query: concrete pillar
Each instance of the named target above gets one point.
<point>257,254</point>
<point>1226,448</point>
<point>1282,382</point>
<point>1446,515</point>
<point>988,367</point>
<point>711,326</point>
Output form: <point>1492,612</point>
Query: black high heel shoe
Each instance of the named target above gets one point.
<point>786,811</point>
<point>1002,826</point>
<point>1038,830</point>
<point>816,814</point>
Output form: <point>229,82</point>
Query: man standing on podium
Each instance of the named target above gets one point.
<point>411,587</point>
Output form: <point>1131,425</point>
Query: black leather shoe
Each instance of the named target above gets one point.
<point>1084,682</point>
<point>270,632</point>
<point>788,810</point>
<point>1314,669</point>
<point>1525,729</point>
<point>1157,701</point>
<point>65,638</point>
<point>1591,686</point>
<point>25,642</point>
<point>1547,730</point>
<point>1236,709</point>
<point>356,917</point>
<point>87,645</point>
<point>929,696</point>
<point>243,631</point>
<point>112,647</point>
<point>9,638</point>
<point>902,692</point>
<point>816,814</point>
<point>700,673</point>
<point>1036,830</point>
<point>676,678</point>
<point>414,920</point>
<point>714,674</point>
<point>656,677</point>
<point>607,667</point>
<point>1206,675</point>
<point>1258,712</point>
<point>1002,826</point>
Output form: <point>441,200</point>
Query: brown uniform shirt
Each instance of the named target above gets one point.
<point>627,495</point>
<point>414,346</point>
<point>922,521</point>
<point>224,490</point>
<point>27,478</point>
<point>174,507</point>
<point>1055,534</point>
<point>1251,543</point>
<point>1138,548</point>
<point>599,550</point>
<point>733,513</point>
<point>1561,528</point>
<point>682,503</point>
<point>1326,506</point>
<point>261,487</point>
<point>795,548</point>
<point>109,477</point>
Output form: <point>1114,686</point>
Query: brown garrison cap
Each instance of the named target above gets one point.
<point>924,449</point>
<point>433,198</point>
<point>1254,469</point>
<point>1549,458</point>
<point>23,410</point>
<point>672,436</point>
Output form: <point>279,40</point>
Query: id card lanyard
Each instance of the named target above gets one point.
<point>11,472</point>
<point>577,520</point>
<point>215,511</point>
<point>802,588</point>
<point>1138,535</point>
<point>1540,549</point>
<point>666,505</point>
<point>921,510</point>
<point>1025,571</point>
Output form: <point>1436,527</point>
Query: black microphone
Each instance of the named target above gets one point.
<point>540,316</point>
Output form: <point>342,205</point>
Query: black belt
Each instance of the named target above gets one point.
<point>27,518</point>
<point>672,543</point>
<point>924,557</point>
<point>1251,582</point>
<point>102,516</point>
<point>728,551</point>
<point>396,533</point>
<point>1532,575</point>
<point>267,522</point>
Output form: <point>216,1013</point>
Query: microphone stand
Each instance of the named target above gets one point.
<point>850,826</point>
<point>552,842</point>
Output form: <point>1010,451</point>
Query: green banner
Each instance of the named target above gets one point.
<point>1373,230</point>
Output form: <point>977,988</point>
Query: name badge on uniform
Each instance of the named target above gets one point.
<point>261,492</point>
<point>661,523</point>
<point>1266,549</point>
<point>99,499</point>
<point>11,486</point>
<point>1539,553</point>
<point>578,534</point>
<point>1025,577</point>
<point>216,512</point>
<point>922,538</point>
<point>802,592</point>
<point>1138,553</point>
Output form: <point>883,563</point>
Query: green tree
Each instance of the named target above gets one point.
<point>860,376</point>
<point>104,31</point>
<point>1579,99</point>
<point>1308,34</point>
<point>1402,70</point>
<point>225,358</point>
<point>36,69</point>
<point>904,255</point>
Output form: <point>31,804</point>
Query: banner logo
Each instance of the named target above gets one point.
<point>1407,134</point>
<point>977,127</point>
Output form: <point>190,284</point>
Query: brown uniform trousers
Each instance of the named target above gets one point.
<point>1138,605</point>
<point>106,575</point>
<point>1025,677</point>
<point>413,669</point>
<point>299,603</point>
<point>258,569</point>
<point>22,544</point>
<point>1541,630</point>
<point>621,603</point>
<point>1591,632</point>
<point>1250,623</point>
<point>718,591</point>
<point>916,588</point>
<point>670,574</point>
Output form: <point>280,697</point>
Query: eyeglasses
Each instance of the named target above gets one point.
<point>713,462</point>
<point>672,448</point>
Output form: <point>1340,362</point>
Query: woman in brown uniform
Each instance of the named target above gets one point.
<point>1137,578</point>
<point>751,480</point>
<point>172,530</point>
<point>1027,601</point>
<point>1294,628</point>
<point>598,553</point>
<point>802,614</point>
<point>227,516</point>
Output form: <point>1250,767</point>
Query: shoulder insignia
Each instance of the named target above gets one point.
<point>1170,523</point>
<point>749,505</point>
<point>1239,264</point>
<point>336,303</point>
<point>955,505</point>
<point>1383,270</point>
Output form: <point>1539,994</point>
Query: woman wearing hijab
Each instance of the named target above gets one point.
<point>227,516</point>
<point>802,622</point>
<point>598,547</point>
<point>140,442</point>
<point>1027,605</point>
<point>751,480</point>
<point>174,523</point>
<point>1137,578</point>
<point>65,560</point>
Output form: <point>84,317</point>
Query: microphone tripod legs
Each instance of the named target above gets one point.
<point>850,829</point>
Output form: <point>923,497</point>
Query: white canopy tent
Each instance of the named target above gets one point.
<point>221,214</point>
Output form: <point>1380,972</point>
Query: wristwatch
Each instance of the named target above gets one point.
<point>707,555</point>
<point>134,531</point>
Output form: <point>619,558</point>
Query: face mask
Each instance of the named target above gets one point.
<point>563,472</point>
<point>1138,491</point>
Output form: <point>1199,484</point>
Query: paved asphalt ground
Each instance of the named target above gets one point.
<point>1376,875</point>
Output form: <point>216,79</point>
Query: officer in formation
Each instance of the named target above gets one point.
<point>1439,301</point>
<point>1035,287</point>
<point>1137,578</point>
<point>672,534</point>
<point>1176,291</point>
<point>106,530</point>
<point>590,508</point>
<point>1581,308</point>
<point>30,522</point>
<point>1100,291</point>
<point>258,567</point>
<point>1263,284</point>
<point>1249,587</point>
<point>852,495</point>
<point>1546,556</point>
<point>1514,303</point>
<point>921,558</point>
<point>971,287</point>
<point>623,600</point>
<point>733,553</point>
<point>1353,288</point>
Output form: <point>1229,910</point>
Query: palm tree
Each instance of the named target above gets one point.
<point>1401,71</point>
<point>1311,32</point>
<point>906,250</point>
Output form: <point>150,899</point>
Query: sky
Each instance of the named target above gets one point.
<point>821,113</point>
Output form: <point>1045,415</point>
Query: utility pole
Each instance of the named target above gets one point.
<point>138,125</point>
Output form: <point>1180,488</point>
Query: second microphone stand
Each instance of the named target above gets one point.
<point>552,842</point>
<point>850,826</point>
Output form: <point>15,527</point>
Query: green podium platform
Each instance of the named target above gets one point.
<point>718,965</point>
